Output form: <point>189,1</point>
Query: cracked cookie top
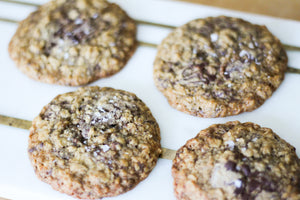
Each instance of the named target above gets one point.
<point>94,142</point>
<point>236,161</point>
<point>219,66</point>
<point>73,42</point>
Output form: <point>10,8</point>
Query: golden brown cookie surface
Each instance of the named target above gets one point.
<point>73,42</point>
<point>94,142</point>
<point>236,161</point>
<point>219,66</point>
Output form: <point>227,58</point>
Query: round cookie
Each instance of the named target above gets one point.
<point>219,66</point>
<point>236,161</point>
<point>73,42</point>
<point>94,142</point>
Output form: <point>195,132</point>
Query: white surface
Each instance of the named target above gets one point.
<point>24,98</point>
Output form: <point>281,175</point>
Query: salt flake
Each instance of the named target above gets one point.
<point>105,148</point>
<point>238,183</point>
<point>243,53</point>
<point>214,37</point>
<point>230,144</point>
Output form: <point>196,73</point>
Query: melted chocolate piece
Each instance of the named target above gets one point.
<point>230,165</point>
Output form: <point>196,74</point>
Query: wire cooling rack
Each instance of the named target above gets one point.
<point>167,117</point>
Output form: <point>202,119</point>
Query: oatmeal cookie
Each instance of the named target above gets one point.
<point>236,161</point>
<point>219,66</point>
<point>73,42</point>
<point>94,142</point>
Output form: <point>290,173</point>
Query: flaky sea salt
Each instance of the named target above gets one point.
<point>66,56</point>
<point>230,144</point>
<point>61,41</point>
<point>243,53</point>
<point>251,45</point>
<point>87,148</point>
<point>105,148</point>
<point>238,183</point>
<point>78,21</point>
<point>195,51</point>
<point>214,37</point>
<point>95,16</point>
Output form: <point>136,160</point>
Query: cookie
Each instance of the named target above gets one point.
<point>219,66</point>
<point>94,142</point>
<point>73,42</point>
<point>236,161</point>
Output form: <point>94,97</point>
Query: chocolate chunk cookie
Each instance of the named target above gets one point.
<point>73,42</point>
<point>236,161</point>
<point>219,66</point>
<point>94,142</point>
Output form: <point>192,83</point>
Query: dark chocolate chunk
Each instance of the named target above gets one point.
<point>230,165</point>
